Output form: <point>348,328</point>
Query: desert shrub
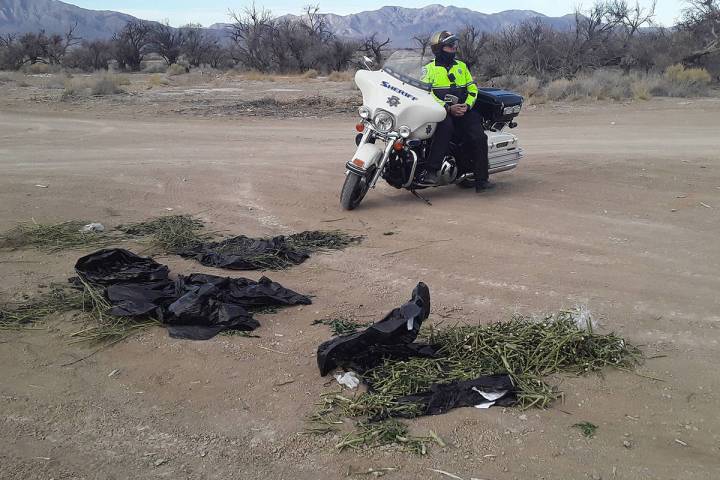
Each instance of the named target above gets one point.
<point>55,82</point>
<point>37,68</point>
<point>120,80</point>
<point>603,84</point>
<point>254,75</point>
<point>176,69</point>
<point>107,85</point>
<point>312,73</point>
<point>73,88</point>
<point>557,89</point>
<point>342,76</point>
<point>641,89</point>
<point>525,85</point>
<point>6,78</point>
<point>685,82</point>
<point>157,80</point>
<point>530,87</point>
<point>680,75</point>
<point>156,67</point>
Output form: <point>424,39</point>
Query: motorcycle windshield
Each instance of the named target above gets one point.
<point>407,66</point>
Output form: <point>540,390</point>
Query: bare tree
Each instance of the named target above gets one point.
<point>372,46</point>
<point>316,23</point>
<point>34,47</point>
<point>58,45</point>
<point>631,18</point>
<point>90,56</point>
<point>166,41</point>
<point>423,42</point>
<point>251,33</point>
<point>200,46</point>
<point>11,53</point>
<point>472,42</point>
<point>701,19</point>
<point>132,43</point>
<point>340,54</point>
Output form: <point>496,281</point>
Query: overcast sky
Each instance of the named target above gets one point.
<point>207,12</point>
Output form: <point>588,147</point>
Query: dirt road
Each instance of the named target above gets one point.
<point>616,207</point>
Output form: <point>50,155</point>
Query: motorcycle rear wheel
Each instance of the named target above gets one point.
<point>354,190</point>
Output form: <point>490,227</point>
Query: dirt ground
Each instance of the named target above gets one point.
<point>616,207</point>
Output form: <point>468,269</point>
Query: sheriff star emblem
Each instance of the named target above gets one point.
<point>393,101</point>
<point>428,130</point>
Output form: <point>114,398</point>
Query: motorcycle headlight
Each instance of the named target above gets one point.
<point>364,112</point>
<point>383,121</point>
<point>404,131</point>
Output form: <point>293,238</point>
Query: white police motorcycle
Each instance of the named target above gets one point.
<point>398,118</point>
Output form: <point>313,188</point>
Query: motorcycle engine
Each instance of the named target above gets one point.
<point>398,169</point>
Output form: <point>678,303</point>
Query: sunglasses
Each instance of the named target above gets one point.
<point>451,42</point>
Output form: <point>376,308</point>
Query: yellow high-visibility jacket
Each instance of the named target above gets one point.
<point>456,81</point>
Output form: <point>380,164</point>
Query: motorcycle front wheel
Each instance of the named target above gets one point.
<point>354,190</point>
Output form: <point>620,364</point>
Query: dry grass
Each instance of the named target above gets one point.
<point>105,86</point>
<point>37,69</point>
<point>155,67</point>
<point>312,73</point>
<point>157,81</point>
<point>609,84</point>
<point>176,69</point>
<point>343,76</point>
<point>97,85</point>
<point>527,85</point>
<point>6,77</point>
<point>19,78</point>
<point>255,76</point>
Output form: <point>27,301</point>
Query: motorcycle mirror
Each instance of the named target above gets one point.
<point>368,62</point>
<point>451,99</point>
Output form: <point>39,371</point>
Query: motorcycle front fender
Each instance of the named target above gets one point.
<point>366,156</point>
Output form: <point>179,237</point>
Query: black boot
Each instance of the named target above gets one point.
<point>482,185</point>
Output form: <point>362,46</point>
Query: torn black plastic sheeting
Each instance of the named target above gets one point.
<point>198,306</point>
<point>391,337</point>
<point>442,397</point>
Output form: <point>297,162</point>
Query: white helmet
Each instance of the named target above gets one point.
<point>448,171</point>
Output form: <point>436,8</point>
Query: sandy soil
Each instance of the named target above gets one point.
<point>616,206</point>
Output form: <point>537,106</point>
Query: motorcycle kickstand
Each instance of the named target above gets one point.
<point>421,197</point>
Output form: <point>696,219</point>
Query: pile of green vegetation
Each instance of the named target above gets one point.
<point>527,349</point>
<point>51,237</point>
<point>171,233</point>
<point>59,299</point>
<point>341,326</point>
<point>99,326</point>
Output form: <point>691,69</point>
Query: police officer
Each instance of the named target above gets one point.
<point>449,76</point>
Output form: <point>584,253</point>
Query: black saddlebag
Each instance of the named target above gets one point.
<point>498,105</point>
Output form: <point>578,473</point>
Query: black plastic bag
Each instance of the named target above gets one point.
<point>389,338</point>
<point>198,306</point>
<point>244,253</point>
<point>442,397</point>
<point>142,298</point>
<point>116,265</point>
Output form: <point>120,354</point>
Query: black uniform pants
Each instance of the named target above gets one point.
<point>470,126</point>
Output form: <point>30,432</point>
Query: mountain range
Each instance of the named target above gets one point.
<point>397,23</point>
<point>53,16</point>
